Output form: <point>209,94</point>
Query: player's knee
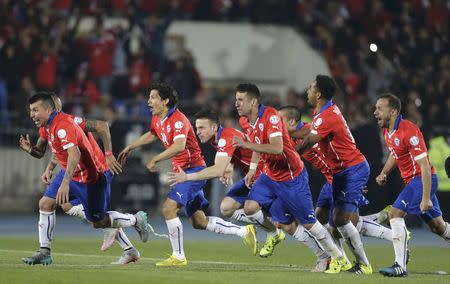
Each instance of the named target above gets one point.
<point>199,224</point>
<point>101,224</point>
<point>169,211</point>
<point>251,208</point>
<point>47,204</point>
<point>225,210</point>
<point>66,206</point>
<point>290,228</point>
<point>437,228</point>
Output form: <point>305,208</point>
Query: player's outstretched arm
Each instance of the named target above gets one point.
<point>390,164</point>
<point>275,145</point>
<point>146,138</point>
<point>37,151</point>
<point>178,146</point>
<point>217,170</point>
<point>425,170</point>
<point>308,142</point>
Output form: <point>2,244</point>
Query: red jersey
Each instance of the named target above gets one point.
<point>82,123</point>
<point>314,155</point>
<point>337,142</point>
<point>281,167</point>
<point>407,145</point>
<point>240,157</point>
<point>63,133</point>
<point>174,126</point>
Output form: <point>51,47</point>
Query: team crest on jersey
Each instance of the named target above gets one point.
<point>222,142</point>
<point>78,120</point>
<point>318,122</point>
<point>414,140</point>
<point>168,128</point>
<point>62,133</point>
<point>274,119</point>
<point>178,125</point>
<point>396,141</point>
<point>261,126</point>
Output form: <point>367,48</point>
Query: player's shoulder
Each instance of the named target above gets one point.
<point>271,115</point>
<point>178,116</point>
<point>407,125</point>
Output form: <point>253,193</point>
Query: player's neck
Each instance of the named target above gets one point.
<point>164,113</point>
<point>253,116</point>
<point>320,104</point>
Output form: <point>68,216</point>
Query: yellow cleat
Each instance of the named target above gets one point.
<point>172,261</point>
<point>338,264</point>
<point>250,239</point>
<point>271,242</point>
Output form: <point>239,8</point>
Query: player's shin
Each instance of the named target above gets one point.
<point>353,240</point>
<point>119,220</point>
<point>220,226</point>
<point>175,229</point>
<point>321,234</point>
<point>399,240</point>
<point>372,229</point>
<point>310,241</point>
<point>46,226</point>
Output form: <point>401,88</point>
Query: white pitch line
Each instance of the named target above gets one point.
<point>283,266</point>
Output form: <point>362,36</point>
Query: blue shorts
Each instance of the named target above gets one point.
<point>190,194</point>
<point>239,192</point>
<point>409,199</point>
<point>348,187</point>
<point>52,189</point>
<point>325,199</point>
<point>279,213</point>
<point>294,196</point>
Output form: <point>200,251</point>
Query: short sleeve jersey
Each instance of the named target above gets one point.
<point>82,123</point>
<point>175,126</point>
<point>337,142</point>
<point>240,157</point>
<point>407,145</point>
<point>314,155</point>
<point>278,167</point>
<point>63,133</point>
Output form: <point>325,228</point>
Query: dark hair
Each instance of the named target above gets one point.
<point>393,101</point>
<point>249,88</point>
<point>292,112</point>
<point>208,114</point>
<point>45,97</point>
<point>326,86</point>
<point>165,91</point>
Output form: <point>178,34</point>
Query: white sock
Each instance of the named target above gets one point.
<point>337,241</point>
<point>77,211</point>
<point>372,217</point>
<point>46,226</point>
<point>310,241</point>
<point>370,228</point>
<point>119,220</point>
<point>123,240</point>
<point>446,234</point>
<point>353,240</point>
<point>399,240</point>
<point>175,229</point>
<point>220,226</point>
<point>240,216</point>
<point>263,221</point>
<point>323,236</point>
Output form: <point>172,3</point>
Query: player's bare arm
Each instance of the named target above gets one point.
<point>227,177</point>
<point>48,172</point>
<point>275,145</point>
<point>102,129</point>
<point>146,138</point>
<point>37,151</point>
<point>217,170</point>
<point>308,142</point>
<point>425,170</point>
<point>73,157</point>
<point>177,147</point>
<point>248,179</point>
<point>390,164</point>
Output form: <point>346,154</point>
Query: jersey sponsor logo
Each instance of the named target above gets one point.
<point>62,133</point>
<point>168,128</point>
<point>261,126</point>
<point>274,119</point>
<point>178,125</point>
<point>397,141</point>
<point>318,122</point>
<point>222,142</point>
<point>78,120</point>
<point>414,140</point>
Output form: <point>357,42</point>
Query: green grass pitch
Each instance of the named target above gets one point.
<point>230,262</point>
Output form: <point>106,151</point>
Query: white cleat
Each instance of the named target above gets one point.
<point>109,235</point>
<point>131,255</point>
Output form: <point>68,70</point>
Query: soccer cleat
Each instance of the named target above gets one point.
<point>383,216</point>
<point>172,261</point>
<point>338,264</point>
<point>394,271</point>
<point>250,239</point>
<point>131,255</point>
<point>42,256</point>
<point>322,264</point>
<point>109,235</point>
<point>141,225</point>
<point>361,269</point>
<point>271,242</point>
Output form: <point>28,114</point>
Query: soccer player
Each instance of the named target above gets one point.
<point>210,130</point>
<point>349,167</point>
<point>83,177</point>
<point>407,151</point>
<point>175,131</point>
<point>284,178</point>
<point>74,206</point>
